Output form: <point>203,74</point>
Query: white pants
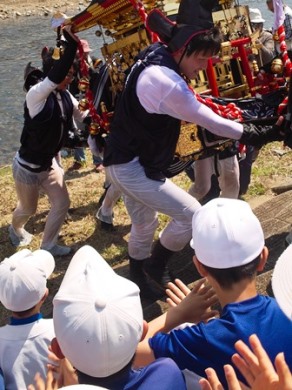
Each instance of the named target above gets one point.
<point>227,171</point>
<point>143,198</point>
<point>28,185</point>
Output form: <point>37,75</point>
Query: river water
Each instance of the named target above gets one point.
<point>22,41</point>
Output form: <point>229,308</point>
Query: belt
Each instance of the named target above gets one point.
<point>35,170</point>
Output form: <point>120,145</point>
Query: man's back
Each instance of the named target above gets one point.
<point>23,352</point>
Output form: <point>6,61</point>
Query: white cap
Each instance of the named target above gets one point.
<point>226,234</point>
<point>23,278</point>
<point>255,16</point>
<point>282,281</point>
<point>98,316</point>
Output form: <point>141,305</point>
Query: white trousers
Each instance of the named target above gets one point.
<point>143,198</point>
<point>228,170</point>
<point>28,185</point>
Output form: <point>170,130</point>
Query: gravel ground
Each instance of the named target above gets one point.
<point>26,8</point>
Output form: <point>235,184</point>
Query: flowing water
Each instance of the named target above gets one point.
<point>22,41</point>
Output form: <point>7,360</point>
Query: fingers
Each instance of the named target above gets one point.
<point>244,368</point>
<point>179,288</point>
<point>249,357</point>
<point>205,385</point>
<point>51,382</point>
<point>260,353</point>
<point>254,361</point>
<point>199,284</point>
<point>207,294</point>
<point>39,383</point>
<point>231,378</point>
<point>182,286</point>
<point>213,379</point>
<point>176,292</point>
<point>284,373</point>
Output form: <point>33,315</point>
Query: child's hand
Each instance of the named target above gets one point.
<point>40,384</point>
<point>192,306</point>
<point>176,292</point>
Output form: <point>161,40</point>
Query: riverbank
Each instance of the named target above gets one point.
<point>27,8</point>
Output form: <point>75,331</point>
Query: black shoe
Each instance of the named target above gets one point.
<point>147,289</point>
<point>109,227</point>
<point>156,267</point>
<point>159,273</point>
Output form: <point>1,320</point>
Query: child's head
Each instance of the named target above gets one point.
<point>23,279</point>
<point>97,316</point>
<point>228,240</point>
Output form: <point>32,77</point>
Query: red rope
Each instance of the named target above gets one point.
<point>230,111</point>
<point>84,70</point>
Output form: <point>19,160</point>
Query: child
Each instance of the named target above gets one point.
<point>98,322</point>
<point>229,251</point>
<point>24,341</point>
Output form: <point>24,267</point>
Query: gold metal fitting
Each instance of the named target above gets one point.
<point>83,84</point>
<point>83,105</point>
<point>94,128</point>
<point>277,66</point>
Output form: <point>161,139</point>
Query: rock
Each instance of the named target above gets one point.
<point>287,186</point>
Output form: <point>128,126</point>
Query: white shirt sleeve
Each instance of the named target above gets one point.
<point>162,91</point>
<point>36,97</point>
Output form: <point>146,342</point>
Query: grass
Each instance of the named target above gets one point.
<point>85,187</point>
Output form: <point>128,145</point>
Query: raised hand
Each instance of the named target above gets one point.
<point>257,368</point>
<point>40,384</point>
<point>192,305</point>
<point>176,292</point>
<point>212,382</point>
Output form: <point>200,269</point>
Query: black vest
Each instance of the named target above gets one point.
<point>134,132</point>
<point>44,135</point>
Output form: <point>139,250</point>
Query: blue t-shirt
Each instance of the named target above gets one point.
<point>212,344</point>
<point>162,374</point>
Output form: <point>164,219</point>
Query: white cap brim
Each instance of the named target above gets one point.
<point>281,281</point>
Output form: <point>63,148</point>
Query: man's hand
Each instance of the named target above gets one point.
<point>258,136</point>
<point>68,34</point>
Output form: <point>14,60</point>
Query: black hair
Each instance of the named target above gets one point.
<point>208,43</point>
<point>32,80</point>
<point>229,276</point>
<point>90,380</point>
